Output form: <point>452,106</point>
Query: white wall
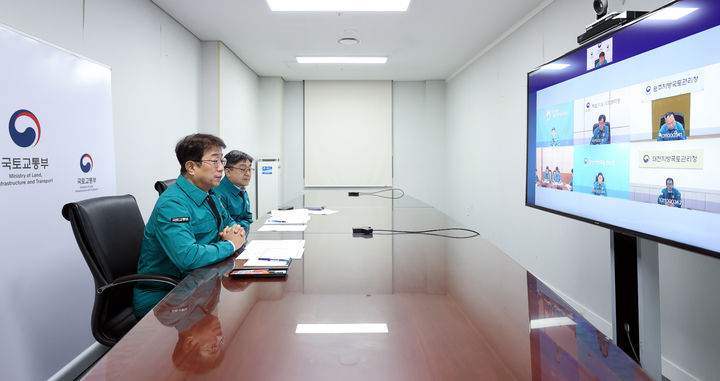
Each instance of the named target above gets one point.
<point>155,68</point>
<point>270,114</point>
<point>238,111</point>
<point>232,103</point>
<point>419,139</point>
<point>209,87</point>
<point>689,315</point>
<point>292,183</point>
<point>155,78</point>
<point>485,161</point>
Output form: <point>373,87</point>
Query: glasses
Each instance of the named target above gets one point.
<point>217,162</point>
<point>242,169</point>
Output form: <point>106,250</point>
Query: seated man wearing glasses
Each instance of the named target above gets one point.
<point>189,227</point>
<point>232,188</point>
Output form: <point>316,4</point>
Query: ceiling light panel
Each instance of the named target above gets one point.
<point>338,5</point>
<point>341,328</point>
<point>342,60</point>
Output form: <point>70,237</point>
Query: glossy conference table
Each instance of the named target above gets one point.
<point>455,309</point>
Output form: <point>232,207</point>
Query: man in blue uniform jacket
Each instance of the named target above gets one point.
<point>232,188</point>
<point>671,130</point>
<point>557,178</point>
<point>599,185</point>
<point>601,131</point>
<point>189,227</point>
<point>548,175</point>
<point>670,195</point>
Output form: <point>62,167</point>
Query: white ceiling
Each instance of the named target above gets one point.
<point>432,40</point>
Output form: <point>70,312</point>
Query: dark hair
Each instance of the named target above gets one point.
<point>193,147</point>
<point>670,179</point>
<point>602,54</point>
<point>233,157</point>
<point>670,114</point>
<point>557,168</point>
<point>598,175</point>
<point>602,117</point>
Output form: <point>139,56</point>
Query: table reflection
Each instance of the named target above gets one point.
<point>456,309</point>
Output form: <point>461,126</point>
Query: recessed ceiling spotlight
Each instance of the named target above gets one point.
<point>348,41</point>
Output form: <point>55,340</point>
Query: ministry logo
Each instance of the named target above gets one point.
<point>28,137</point>
<point>86,163</point>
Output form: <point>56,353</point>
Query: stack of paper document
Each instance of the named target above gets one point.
<point>282,228</point>
<point>321,211</point>
<point>289,217</point>
<point>293,220</point>
<point>280,249</point>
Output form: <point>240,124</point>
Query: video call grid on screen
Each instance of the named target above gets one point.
<point>632,98</point>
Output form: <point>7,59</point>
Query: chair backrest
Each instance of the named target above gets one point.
<point>162,185</point>
<point>109,232</point>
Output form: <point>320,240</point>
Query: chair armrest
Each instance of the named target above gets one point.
<point>138,278</point>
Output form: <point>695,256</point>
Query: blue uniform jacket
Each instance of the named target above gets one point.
<point>236,201</point>
<point>557,178</point>
<point>601,137</point>
<point>181,235</point>
<point>678,133</point>
<point>547,177</point>
<point>673,198</point>
<point>599,189</point>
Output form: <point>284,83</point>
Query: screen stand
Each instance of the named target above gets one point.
<point>636,300</point>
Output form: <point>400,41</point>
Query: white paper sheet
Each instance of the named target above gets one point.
<point>282,228</point>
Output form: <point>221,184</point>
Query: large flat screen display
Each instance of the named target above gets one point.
<point>624,132</point>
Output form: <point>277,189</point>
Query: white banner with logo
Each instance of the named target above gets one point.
<point>676,84</point>
<point>56,147</point>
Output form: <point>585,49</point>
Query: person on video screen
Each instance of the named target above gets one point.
<point>670,196</point>
<point>548,175</point>
<point>601,131</point>
<point>555,139</point>
<point>557,178</point>
<point>671,130</point>
<point>569,186</point>
<point>601,60</point>
<point>599,185</point>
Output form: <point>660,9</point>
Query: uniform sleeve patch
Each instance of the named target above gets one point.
<point>180,219</point>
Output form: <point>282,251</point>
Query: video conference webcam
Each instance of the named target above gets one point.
<point>601,7</point>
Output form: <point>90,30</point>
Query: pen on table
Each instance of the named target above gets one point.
<point>274,259</point>
<point>280,221</point>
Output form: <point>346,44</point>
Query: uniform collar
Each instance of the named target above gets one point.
<point>194,193</point>
<point>232,188</point>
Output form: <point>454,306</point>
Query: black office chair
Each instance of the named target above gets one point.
<point>162,185</point>
<point>109,232</point>
<point>678,118</point>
